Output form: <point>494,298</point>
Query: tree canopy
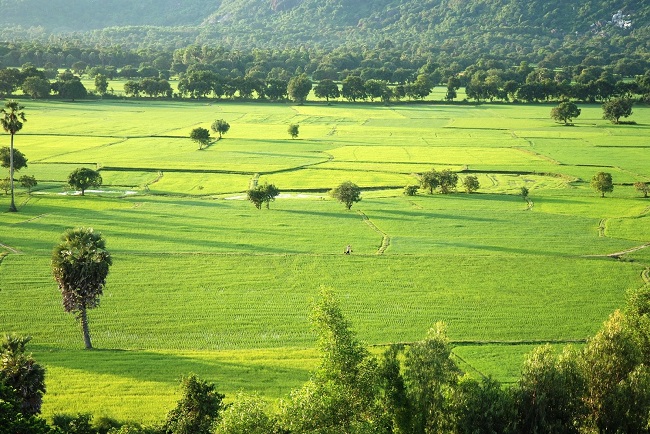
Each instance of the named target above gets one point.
<point>347,193</point>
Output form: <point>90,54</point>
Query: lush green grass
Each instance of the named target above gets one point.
<point>203,282</point>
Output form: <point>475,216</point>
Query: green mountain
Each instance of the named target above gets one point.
<point>468,26</point>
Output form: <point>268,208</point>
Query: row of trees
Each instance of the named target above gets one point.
<point>414,388</point>
<point>483,81</point>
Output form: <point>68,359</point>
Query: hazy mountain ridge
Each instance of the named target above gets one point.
<point>329,23</point>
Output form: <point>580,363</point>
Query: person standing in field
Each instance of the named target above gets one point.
<point>348,249</point>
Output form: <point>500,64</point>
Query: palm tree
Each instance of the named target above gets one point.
<point>12,121</point>
<point>80,265</point>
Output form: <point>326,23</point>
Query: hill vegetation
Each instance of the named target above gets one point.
<point>501,27</point>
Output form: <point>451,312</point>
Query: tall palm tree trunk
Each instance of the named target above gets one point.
<point>84,326</point>
<point>12,207</point>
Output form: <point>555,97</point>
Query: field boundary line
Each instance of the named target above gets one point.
<point>466,363</point>
<point>32,219</point>
<point>469,343</point>
<point>617,255</point>
<point>11,249</point>
<point>385,239</point>
<point>537,154</point>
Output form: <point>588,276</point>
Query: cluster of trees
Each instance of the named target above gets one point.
<point>262,194</point>
<point>374,73</point>
<point>444,181</point>
<point>410,388</point>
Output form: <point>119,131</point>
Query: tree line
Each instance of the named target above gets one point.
<point>523,83</point>
<point>411,388</point>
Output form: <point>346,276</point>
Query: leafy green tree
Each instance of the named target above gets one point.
<point>549,395</point>
<point>471,184</point>
<point>201,136</point>
<point>101,84</point>
<point>327,89</point>
<point>602,182</point>
<point>453,84</point>
<point>353,88</point>
<point>299,87</point>
<point>10,79</point>
<point>393,397</point>
<point>642,187</point>
<point>481,407</point>
<point>617,108</point>
<point>565,111</point>
<point>429,376</point>
<point>411,190</point>
<point>36,87</point>
<point>293,130</point>
<point>83,177</point>
<point>246,415</point>
<point>19,159</point>
<point>342,394</point>
<point>261,194</point>
<point>376,88</point>
<point>132,88</point>
<point>28,182</point>
<point>618,382</point>
<point>12,117</point>
<point>73,424</point>
<point>197,410</point>
<point>20,371</point>
<point>430,180</point>
<point>5,185</point>
<point>448,181</point>
<point>347,193</point>
<point>80,264</point>
<point>71,89</point>
<point>13,420</point>
<point>276,89</point>
<point>220,126</point>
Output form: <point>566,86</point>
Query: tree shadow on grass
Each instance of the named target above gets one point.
<point>167,368</point>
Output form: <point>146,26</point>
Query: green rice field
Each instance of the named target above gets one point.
<point>203,282</point>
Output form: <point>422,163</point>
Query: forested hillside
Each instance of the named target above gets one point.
<point>447,25</point>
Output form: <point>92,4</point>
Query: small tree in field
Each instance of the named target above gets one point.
<point>617,108</point>
<point>471,184</point>
<point>80,265</point>
<point>5,185</point>
<point>642,187</point>
<point>602,182</point>
<point>448,181</point>
<point>201,136</point>
<point>430,180</point>
<point>82,178</point>
<point>263,194</point>
<point>220,127</point>
<point>293,130</point>
<point>565,112</point>
<point>28,182</point>
<point>347,193</point>
<point>411,190</point>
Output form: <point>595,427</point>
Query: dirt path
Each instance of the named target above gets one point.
<point>385,241</point>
